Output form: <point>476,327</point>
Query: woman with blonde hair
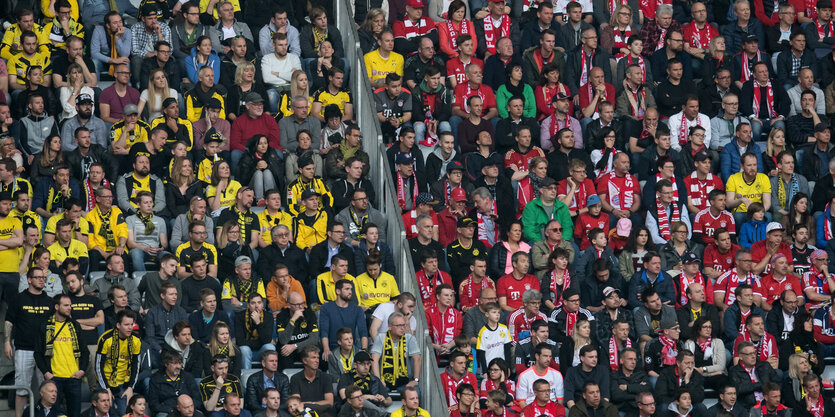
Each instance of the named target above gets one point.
<point>221,344</point>
<point>45,161</point>
<point>152,98</point>
<point>245,82</point>
<point>615,37</point>
<point>775,144</point>
<point>41,257</point>
<point>792,390</point>
<point>299,86</point>
<point>75,87</point>
<point>371,29</point>
<point>715,58</point>
<point>180,189</point>
<point>570,351</point>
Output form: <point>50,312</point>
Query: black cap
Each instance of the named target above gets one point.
<point>253,97</point>
<point>547,182</point>
<point>821,127</point>
<point>750,38</point>
<point>212,135</point>
<point>824,4</point>
<point>214,104</point>
<point>403,159</point>
<point>494,159</point>
<point>310,193</point>
<point>701,156</point>
<point>453,165</point>
<point>465,222</point>
<point>168,101</point>
<point>83,98</point>
<point>362,356</point>
<point>148,9</point>
<point>691,258</point>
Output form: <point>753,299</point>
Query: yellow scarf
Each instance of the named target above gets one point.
<point>394,369</point>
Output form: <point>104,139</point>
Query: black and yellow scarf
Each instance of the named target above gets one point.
<point>363,383</point>
<point>105,230</point>
<point>394,370</point>
<point>251,327</point>
<point>115,342</point>
<point>241,218</point>
<point>147,221</point>
<point>52,334</point>
<point>244,289</point>
<point>56,198</point>
<point>359,222</point>
<point>137,185</point>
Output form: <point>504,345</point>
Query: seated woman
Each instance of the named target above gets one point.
<point>223,190</point>
<point>320,68</point>
<point>498,259</point>
<point>548,87</point>
<point>709,352</point>
<point>69,93</point>
<point>150,101</point>
<point>181,187</point>
<point>370,241</point>
<point>529,186</point>
<point>299,86</point>
<point>260,167</point>
<point>614,38</point>
<point>370,30</point>
<point>775,144</point>
<point>230,247</point>
<point>45,161</point>
<point>221,344</point>
<point>802,340</point>
<point>678,248</point>
<point>603,158</point>
<point>570,350</point>
<point>799,214</point>
<point>34,85</point>
<point>201,55</point>
<point>456,24</point>
<point>245,82</point>
<point>514,87</point>
<point>291,161</point>
<point>8,149</point>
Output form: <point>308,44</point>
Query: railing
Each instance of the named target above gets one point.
<point>12,388</point>
<point>372,140</point>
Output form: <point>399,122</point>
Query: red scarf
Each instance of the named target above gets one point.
<point>469,93</point>
<point>614,354</point>
<point>621,39</point>
<point>548,92</point>
<point>490,31</point>
<point>453,34</point>
<point>684,132</point>
<point>638,104</point>
<point>91,193</point>
<point>686,282</point>
<point>412,29</point>
<point>540,63</point>
<point>579,196</point>
<point>821,33</point>
<point>401,191</point>
<point>816,408</point>
<point>769,101</point>
<point>827,223</point>
<point>584,75</point>
<point>556,126</point>
<point>764,348</point>
<point>484,284</point>
<point>664,222</point>
<point>570,320</point>
<point>699,189</point>
<point>640,62</point>
<point>482,229</point>
<point>810,10</point>
<point>704,345</point>
<point>566,283</point>
<point>746,72</point>
<point>427,286</point>
<point>668,350</point>
<point>698,42</point>
<point>661,39</point>
<point>621,196</point>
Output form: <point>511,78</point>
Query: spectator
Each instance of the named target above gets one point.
<point>161,318</point>
<point>120,385</point>
<point>169,382</point>
<point>279,24</point>
<point>252,330</point>
<point>387,352</point>
<point>592,402</point>
<point>691,382</point>
<point>734,320</point>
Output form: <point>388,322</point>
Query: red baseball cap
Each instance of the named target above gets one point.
<point>415,4</point>
<point>458,194</point>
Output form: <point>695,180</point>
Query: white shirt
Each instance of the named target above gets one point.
<point>524,386</point>
<point>492,341</point>
<point>384,310</point>
<point>283,67</point>
<point>675,128</point>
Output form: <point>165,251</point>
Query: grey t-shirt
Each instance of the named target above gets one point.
<point>412,348</point>
<point>136,226</point>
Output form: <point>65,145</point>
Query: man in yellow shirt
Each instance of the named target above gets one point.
<point>18,65</point>
<point>326,281</point>
<point>117,359</point>
<point>746,187</point>
<point>108,230</point>
<point>128,131</point>
<point>11,44</point>
<point>375,286</point>
<point>59,354</point>
<point>66,247</point>
<point>383,60</point>
<point>63,25</point>
<point>11,238</point>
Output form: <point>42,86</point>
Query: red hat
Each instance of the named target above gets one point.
<point>458,194</point>
<point>496,1</point>
<point>415,4</point>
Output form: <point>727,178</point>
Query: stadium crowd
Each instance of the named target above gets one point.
<point>613,208</point>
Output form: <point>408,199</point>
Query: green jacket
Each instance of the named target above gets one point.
<point>534,217</point>
<point>503,96</point>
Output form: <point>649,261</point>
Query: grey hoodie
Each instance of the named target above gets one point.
<point>103,284</point>
<point>673,409</point>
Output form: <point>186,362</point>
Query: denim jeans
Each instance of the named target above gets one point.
<point>272,98</point>
<point>138,258</point>
<point>247,354</point>
<point>758,129</point>
<point>69,390</point>
<point>262,180</point>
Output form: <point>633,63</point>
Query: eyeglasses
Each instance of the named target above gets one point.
<point>747,353</point>
<point>555,229</point>
<point>398,325</point>
<point>573,300</point>
<point>123,72</point>
<point>164,51</point>
<point>652,404</point>
<point>296,304</point>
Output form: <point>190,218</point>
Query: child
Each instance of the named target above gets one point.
<point>681,406</point>
<point>310,226</point>
<point>297,408</point>
<point>211,144</point>
<point>592,219</point>
<point>754,229</point>
<point>341,360</point>
<point>179,149</point>
<point>493,339</point>
<point>495,405</point>
<point>619,235</point>
<point>467,405</point>
<point>463,345</point>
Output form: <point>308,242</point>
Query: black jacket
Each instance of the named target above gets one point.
<point>774,323</point>
<point>319,258</point>
<point>45,364</point>
<point>265,330</point>
<point>504,196</point>
<point>782,103</point>
<point>163,392</point>
<point>594,135</point>
<point>558,163</point>
<point>441,106</point>
<point>505,137</point>
<point>710,103</point>
<point>636,383</point>
<point>668,385</point>
<point>40,411</point>
<point>98,154</point>
<point>255,389</point>
<point>202,331</point>
<point>177,203</point>
<point>784,66</point>
<point>246,167</point>
<point>573,64</point>
<point>292,257</point>
<point>772,38</point>
<point>737,411</point>
<point>685,320</point>
<point>744,387</point>
<point>341,191</point>
<point>199,357</point>
<point>171,70</point>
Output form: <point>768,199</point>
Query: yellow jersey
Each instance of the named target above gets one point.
<point>63,362</point>
<point>307,232</point>
<point>117,370</point>
<point>20,64</point>
<point>11,38</point>
<point>227,198</point>
<point>378,67</point>
<point>76,250</point>
<point>98,236</point>
<point>28,219</point>
<point>401,412</point>
<point>55,33</point>
<point>9,258</point>
<point>753,191</point>
<point>172,139</point>
<point>185,254</point>
<point>326,286</point>
<point>268,222</point>
<point>83,228</point>
<point>341,98</point>
<point>140,133</point>
<point>371,292</point>
<point>204,169</point>
<point>233,287</point>
<point>49,15</point>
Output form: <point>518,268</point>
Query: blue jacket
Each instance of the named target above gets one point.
<point>730,160</point>
<point>820,237</point>
<point>663,285</point>
<point>192,67</point>
<point>731,321</point>
<point>750,232</point>
<point>42,194</point>
<point>733,35</point>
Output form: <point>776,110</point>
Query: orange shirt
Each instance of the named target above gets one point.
<point>279,301</point>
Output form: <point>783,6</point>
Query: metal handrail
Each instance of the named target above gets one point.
<point>28,389</point>
<point>372,140</point>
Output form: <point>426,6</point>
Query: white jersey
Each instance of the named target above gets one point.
<point>492,342</point>
<point>524,386</point>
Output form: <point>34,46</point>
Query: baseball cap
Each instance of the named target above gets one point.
<point>168,101</point>
<point>148,10</point>
<point>84,98</point>
<point>253,97</point>
<point>547,182</point>
<point>624,226</point>
<point>310,192</point>
<point>668,322</point>
<point>415,4</point>
<point>609,291</point>
<point>242,260</point>
<point>560,96</point>
<point>593,199</point>
<point>772,227</point>
<point>212,136</point>
<point>403,159</point>
<point>458,194</point>
<point>362,356</point>
<point>701,156</point>
<point>130,109</point>
<point>465,222</point>
<point>750,38</point>
<point>424,198</point>
<point>214,103</point>
<point>821,127</point>
<point>691,258</point>
<point>453,165</point>
<point>494,159</point>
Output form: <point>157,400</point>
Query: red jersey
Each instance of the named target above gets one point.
<point>519,322</point>
<point>759,251</point>
<point>450,384</point>
<point>818,282</point>
<point>585,222</point>
<point>619,192</point>
<point>407,29</point>
<point>766,348</point>
<point>581,195</point>
<point>706,224</point>
<point>806,7</point>
<point>697,190</point>
<point>586,93</point>
<point>521,160</point>
<point>721,262</point>
<point>699,38</point>
<point>463,91</point>
<point>468,291</point>
<point>409,219</point>
<point>726,285</point>
<point>445,325</point>
<point>551,409</point>
<point>773,288</point>
<point>427,286</point>
<point>513,288</point>
<point>455,68</point>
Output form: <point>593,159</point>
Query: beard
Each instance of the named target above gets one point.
<point>85,114</point>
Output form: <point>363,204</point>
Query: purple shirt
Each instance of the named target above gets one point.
<point>117,104</point>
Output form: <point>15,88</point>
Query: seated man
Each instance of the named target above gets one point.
<point>128,131</point>
<point>215,387</point>
<point>751,376</point>
<point>202,94</point>
<point>444,319</point>
<point>765,343</point>
<point>52,193</point>
<point>74,55</point>
<point>111,44</point>
<point>296,327</point>
<point>387,353</point>
<point>746,187</point>
<point>758,90</point>
<point>12,38</point>
<point>314,387</point>
<point>279,24</point>
<point>168,383</point>
<point>62,26</point>
<point>682,376</point>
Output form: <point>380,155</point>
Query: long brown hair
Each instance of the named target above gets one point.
<point>177,167</point>
<point>47,158</point>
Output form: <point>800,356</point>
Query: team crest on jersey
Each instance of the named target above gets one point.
<point>399,103</point>
<point>722,223</point>
<point>228,389</point>
<point>303,324</point>
<point>475,252</point>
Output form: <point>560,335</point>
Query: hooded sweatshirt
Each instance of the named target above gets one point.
<point>103,284</point>
<point>435,102</point>
<point>674,412</point>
